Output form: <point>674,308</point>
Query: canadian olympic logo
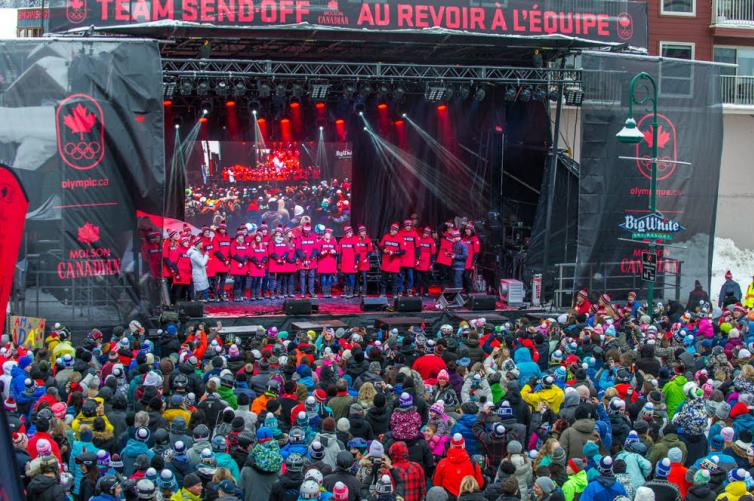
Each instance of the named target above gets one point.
<point>666,147</point>
<point>80,131</point>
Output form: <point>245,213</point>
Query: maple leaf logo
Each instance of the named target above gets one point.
<point>88,234</point>
<point>624,21</point>
<point>77,4</point>
<point>80,120</point>
<point>662,137</point>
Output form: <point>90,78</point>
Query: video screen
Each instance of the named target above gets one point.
<point>277,183</point>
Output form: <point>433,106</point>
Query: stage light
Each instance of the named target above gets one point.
<point>168,89</point>
<point>239,89</point>
<point>203,120</point>
<point>319,90</point>
<point>574,96</point>
<point>320,105</point>
<point>230,104</point>
<point>525,95</point>
<point>349,91</point>
<point>340,121</point>
<point>510,94</point>
<point>398,123</point>
<point>177,126</point>
<point>139,118</point>
<point>382,106</point>
<point>554,96</point>
<point>261,121</point>
<point>540,95</point>
<point>295,105</point>
<point>321,128</point>
<point>361,113</point>
<point>222,88</point>
<point>254,112</point>
<point>280,90</point>
<point>167,102</point>
<point>435,93</point>
<point>480,94</point>
<point>383,90</point>
<point>442,107</point>
<point>186,86</point>
<point>404,115</point>
<point>398,93</point>
<point>205,112</point>
<point>202,88</point>
<point>464,92</point>
<point>297,91</point>
<point>365,128</point>
<point>285,121</point>
<point>366,90</point>
<point>265,91</point>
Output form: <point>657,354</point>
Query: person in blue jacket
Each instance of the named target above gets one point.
<point>526,367</point>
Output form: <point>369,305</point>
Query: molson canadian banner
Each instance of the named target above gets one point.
<point>608,21</point>
<point>615,223</point>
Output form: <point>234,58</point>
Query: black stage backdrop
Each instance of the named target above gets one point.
<point>614,193</point>
<point>83,129</point>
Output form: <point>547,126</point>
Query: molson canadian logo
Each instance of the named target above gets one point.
<point>666,147</point>
<point>81,131</point>
<point>653,226</point>
<point>75,11</point>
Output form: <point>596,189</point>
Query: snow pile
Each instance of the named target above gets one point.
<point>726,257</point>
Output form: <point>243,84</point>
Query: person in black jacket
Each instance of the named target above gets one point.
<point>378,416</point>
<point>88,464</point>
<point>360,427</point>
<point>46,486</point>
<point>700,489</point>
<point>343,474</point>
<point>287,486</point>
<point>696,296</point>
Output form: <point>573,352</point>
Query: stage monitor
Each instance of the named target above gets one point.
<point>276,183</point>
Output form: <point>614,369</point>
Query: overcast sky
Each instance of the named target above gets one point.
<point>7,23</point>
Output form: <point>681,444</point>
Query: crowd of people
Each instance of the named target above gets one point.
<point>327,202</point>
<point>280,161</point>
<point>267,262</point>
<point>606,402</point>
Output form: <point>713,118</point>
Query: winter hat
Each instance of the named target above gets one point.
<point>437,493</point>
<point>376,450</point>
<point>10,404</point>
<point>406,400</point>
<point>514,447</point>
<point>737,475</point>
<point>438,407</point>
<point>590,449</point>
<point>701,477</point>
<point>443,374</point>
<point>24,362</point>
<point>647,412</point>
<point>675,455</point>
<point>142,434</point>
<point>644,494</point>
<point>59,410</point>
<point>576,464</point>
<point>498,430</point>
<point>317,450</point>
<point>343,425</point>
<point>616,406</point>
<point>546,484</point>
<point>457,441</point>
<point>384,485</point>
<point>631,438</point>
<point>505,410</point>
<point>728,434</point>
<point>605,465</point>
<point>191,480</point>
<point>320,395</point>
<point>738,410</point>
<point>662,470</point>
<point>20,440</point>
<point>43,447</point>
<point>716,442</point>
<point>340,492</point>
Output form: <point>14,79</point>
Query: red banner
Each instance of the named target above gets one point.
<point>13,206</point>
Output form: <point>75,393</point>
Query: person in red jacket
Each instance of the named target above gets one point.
<point>277,250</point>
<point>264,230</point>
<point>445,253</point>
<point>291,262</point>
<point>429,366</point>
<point>207,239</point>
<point>221,258</point>
<point>472,243</point>
<point>349,260</point>
<point>427,251</point>
<point>408,260</point>
<point>327,261</point>
<point>151,253</point>
<point>456,465</point>
<point>239,253</point>
<point>393,249</point>
<point>364,248</point>
<point>257,266</point>
<point>306,252</point>
<point>182,278</point>
<point>582,305</point>
<point>170,253</point>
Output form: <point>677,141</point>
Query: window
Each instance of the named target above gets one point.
<point>677,50</point>
<point>742,56</point>
<point>678,7</point>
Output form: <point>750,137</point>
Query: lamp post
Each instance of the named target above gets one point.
<point>630,134</point>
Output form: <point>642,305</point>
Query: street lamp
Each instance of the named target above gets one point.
<point>630,134</point>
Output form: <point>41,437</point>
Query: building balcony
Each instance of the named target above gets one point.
<point>733,18</point>
<point>737,91</point>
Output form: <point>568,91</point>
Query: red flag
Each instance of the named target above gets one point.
<point>13,206</point>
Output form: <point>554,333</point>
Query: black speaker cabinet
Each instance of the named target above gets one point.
<point>482,302</point>
<point>297,307</point>
<point>373,303</point>
<point>190,309</point>
<point>406,304</point>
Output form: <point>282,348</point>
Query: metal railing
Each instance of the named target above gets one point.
<point>737,89</point>
<point>608,277</point>
<point>733,12</point>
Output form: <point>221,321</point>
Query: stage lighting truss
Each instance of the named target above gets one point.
<point>574,95</point>
<point>319,91</point>
<point>436,93</point>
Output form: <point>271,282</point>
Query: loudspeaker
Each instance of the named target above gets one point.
<point>404,304</point>
<point>482,302</point>
<point>297,307</point>
<point>191,309</point>
<point>374,303</point>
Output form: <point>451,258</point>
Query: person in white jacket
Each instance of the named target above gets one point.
<point>199,271</point>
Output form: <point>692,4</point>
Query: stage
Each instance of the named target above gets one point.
<point>341,312</point>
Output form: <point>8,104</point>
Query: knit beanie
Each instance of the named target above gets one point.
<point>605,466</point>
<point>576,464</point>
<point>344,425</point>
<point>644,494</point>
<point>546,484</point>
<point>701,477</point>
<point>631,438</point>
<point>662,470</point>
<point>675,455</point>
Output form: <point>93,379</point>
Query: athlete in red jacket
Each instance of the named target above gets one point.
<point>472,243</point>
<point>182,278</point>
<point>239,253</point>
<point>429,365</point>
<point>393,248</point>
<point>221,255</point>
<point>277,251</point>
<point>364,247</point>
<point>306,252</point>
<point>257,266</point>
<point>349,260</point>
<point>445,253</point>
<point>327,262</point>
<point>455,466</point>
<point>408,260</point>
<point>427,251</point>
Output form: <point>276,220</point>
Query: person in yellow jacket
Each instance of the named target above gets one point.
<point>191,490</point>
<point>175,409</point>
<point>749,296</point>
<point>736,485</point>
<point>545,392</point>
<point>91,410</point>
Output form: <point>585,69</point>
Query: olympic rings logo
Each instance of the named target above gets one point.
<point>82,150</point>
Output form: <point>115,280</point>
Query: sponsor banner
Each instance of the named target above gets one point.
<point>605,21</point>
<point>83,131</point>
<point>615,224</point>
<point>27,331</point>
<point>13,206</point>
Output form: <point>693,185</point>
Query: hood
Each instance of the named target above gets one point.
<point>680,381</point>
<point>471,343</point>
<point>513,395</point>
<point>580,481</point>
<point>40,483</point>
<point>584,425</point>
<point>606,482</point>
<point>522,355</point>
<point>17,372</point>
<point>571,399</point>
<point>457,455</point>
<point>398,451</point>
<point>8,367</point>
<point>737,489</point>
<point>378,412</point>
<point>103,435</point>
